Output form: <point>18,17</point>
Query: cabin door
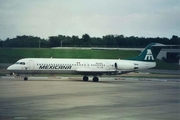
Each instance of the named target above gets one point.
<point>107,66</point>
<point>31,65</point>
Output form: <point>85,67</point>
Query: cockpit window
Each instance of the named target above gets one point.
<point>21,63</point>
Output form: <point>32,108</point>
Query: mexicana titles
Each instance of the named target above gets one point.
<point>53,67</point>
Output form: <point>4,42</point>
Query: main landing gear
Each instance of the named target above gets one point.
<point>85,78</point>
<point>95,78</point>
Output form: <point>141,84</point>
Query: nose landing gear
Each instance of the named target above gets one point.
<point>25,78</point>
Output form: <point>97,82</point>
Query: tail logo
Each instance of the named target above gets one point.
<point>149,55</point>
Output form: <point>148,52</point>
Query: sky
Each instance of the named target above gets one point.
<point>44,18</point>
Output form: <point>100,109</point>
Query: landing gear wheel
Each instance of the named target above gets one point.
<point>85,78</point>
<point>25,78</point>
<point>95,79</point>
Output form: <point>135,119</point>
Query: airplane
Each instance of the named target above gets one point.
<point>85,67</point>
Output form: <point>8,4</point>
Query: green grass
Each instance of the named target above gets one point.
<point>163,65</point>
<point>12,55</point>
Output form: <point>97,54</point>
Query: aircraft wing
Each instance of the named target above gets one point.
<point>92,72</point>
<point>97,72</point>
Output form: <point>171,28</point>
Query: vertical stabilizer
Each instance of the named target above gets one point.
<point>149,54</point>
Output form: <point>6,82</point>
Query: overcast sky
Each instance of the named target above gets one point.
<point>44,18</point>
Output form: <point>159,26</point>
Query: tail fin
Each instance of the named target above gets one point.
<point>149,54</point>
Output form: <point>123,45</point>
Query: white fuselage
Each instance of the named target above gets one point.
<point>76,66</point>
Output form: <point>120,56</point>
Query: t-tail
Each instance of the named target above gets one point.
<point>149,54</point>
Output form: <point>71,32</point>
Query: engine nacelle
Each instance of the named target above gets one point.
<point>124,66</point>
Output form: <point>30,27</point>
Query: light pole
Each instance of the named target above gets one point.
<point>62,41</point>
<point>3,43</point>
<point>39,43</point>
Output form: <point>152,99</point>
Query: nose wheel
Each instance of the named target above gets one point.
<point>25,78</point>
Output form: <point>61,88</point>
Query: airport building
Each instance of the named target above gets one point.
<point>170,53</point>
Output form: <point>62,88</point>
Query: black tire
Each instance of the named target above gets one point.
<point>25,78</point>
<point>85,78</point>
<point>95,79</point>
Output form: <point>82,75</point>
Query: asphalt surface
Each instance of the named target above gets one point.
<point>171,72</point>
<point>73,99</point>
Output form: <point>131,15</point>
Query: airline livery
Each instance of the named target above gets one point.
<point>86,67</point>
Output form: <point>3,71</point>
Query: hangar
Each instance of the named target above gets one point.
<point>170,53</point>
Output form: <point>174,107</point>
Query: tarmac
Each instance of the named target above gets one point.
<point>70,98</point>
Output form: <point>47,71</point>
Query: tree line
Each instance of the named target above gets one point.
<point>85,41</point>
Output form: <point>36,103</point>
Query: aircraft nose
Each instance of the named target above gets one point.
<point>9,68</point>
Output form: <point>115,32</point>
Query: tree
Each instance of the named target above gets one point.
<point>96,41</point>
<point>54,41</point>
<point>109,40</point>
<point>86,39</point>
<point>24,41</point>
<point>175,40</point>
<point>76,41</point>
